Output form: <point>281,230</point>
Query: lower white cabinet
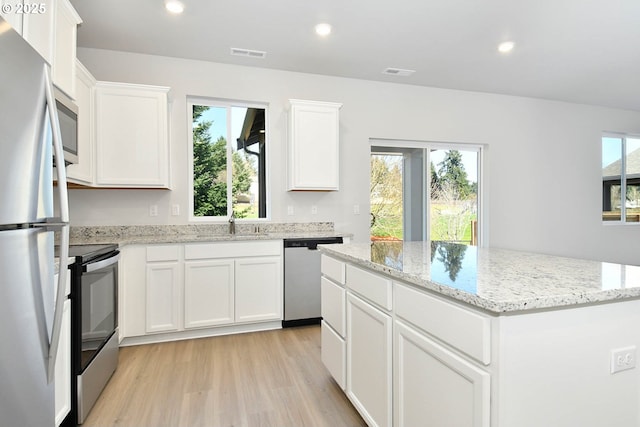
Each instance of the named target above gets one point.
<point>369,361</point>
<point>163,296</point>
<point>189,288</point>
<point>208,293</point>
<point>435,387</point>
<point>258,289</point>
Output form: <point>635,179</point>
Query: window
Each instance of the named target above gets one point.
<point>424,191</point>
<point>228,143</point>
<point>621,178</point>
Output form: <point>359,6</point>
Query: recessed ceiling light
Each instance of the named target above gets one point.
<point>174,6</point>
<point>323,29</point>
<point>506,47</point>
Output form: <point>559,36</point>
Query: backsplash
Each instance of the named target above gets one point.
<point>90,232</point>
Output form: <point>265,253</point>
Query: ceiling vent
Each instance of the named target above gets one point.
<point>248,53</point>
<point>398,72</point>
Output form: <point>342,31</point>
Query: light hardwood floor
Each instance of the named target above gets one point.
<point>273,378</point>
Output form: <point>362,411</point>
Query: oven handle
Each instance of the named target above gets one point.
<point>94,266</point>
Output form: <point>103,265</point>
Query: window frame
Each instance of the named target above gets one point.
<point>623,178</point>
<point>228,104</point>
<point>480,149</point>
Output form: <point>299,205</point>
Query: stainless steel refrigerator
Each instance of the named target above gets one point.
<point>30,300</point>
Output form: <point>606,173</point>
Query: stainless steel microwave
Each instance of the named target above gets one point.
<point>68,117</point>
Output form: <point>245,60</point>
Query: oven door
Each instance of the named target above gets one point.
<point>99,295</point>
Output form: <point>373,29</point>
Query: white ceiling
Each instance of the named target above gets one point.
<point>584,51</point>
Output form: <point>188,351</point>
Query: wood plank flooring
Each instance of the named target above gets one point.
<point>272,378</point>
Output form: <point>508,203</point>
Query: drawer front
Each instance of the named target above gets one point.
<point>334,354</point>
<point>163,253</point>
<point>333,269</point>
<point>333,305</point>
<point>461,328</point>
<point>373,287</point>
<point>233,249</point>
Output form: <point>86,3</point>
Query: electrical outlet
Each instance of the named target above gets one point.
<point>289,210</point>
<point>356,209</point>
<point>153,210</point>
<point>623,359</point>
<point>175,210</point>
<point>314,210</point>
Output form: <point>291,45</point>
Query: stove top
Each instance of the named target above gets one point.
<point>84,253</point>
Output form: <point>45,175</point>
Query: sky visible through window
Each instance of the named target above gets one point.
<point>219,127</point>
<point>469,160</point>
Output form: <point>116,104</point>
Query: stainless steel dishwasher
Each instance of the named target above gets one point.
<point>302,280</point>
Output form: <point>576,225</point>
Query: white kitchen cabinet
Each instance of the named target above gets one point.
<point>313,150</point>
<point>436,387</point>
<point>252,277</point>
<point>208,293</point>
<point>132,136</point>
<point>177,291</point>
<point>62,376</point>
<point>258,287</point>
<point>333,297</point>
<point>14,19</point>
<point>39,28</point>
<point>163,288</point>
<point>66,23</point>
<point>369,361</point>
<point>83,171</point>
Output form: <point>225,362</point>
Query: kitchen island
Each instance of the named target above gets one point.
<point>440,334</point>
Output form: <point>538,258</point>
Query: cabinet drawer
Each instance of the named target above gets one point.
<point>461,328</point>
<point>333,305</point>
<point>163,253</point>
<point>232,249</point>
<point>333,269</point>
<point>333,353</point>
<point>375,288</point>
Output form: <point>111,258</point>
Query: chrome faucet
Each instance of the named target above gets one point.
<point>232,224</point>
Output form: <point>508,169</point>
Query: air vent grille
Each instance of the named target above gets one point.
<point>398,72</point>
<point>248,53</point>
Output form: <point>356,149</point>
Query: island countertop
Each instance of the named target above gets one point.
<point>496,280</point>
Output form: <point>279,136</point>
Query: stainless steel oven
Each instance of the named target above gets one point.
<point>94,318</point>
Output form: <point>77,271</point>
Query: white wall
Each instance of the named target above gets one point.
<point>542,171</point>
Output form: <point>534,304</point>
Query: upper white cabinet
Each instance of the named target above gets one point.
<point>9,14</point>
<point>50,27</point>
<point>83,171</point>
<point>39,29</point>
<point>64,47</point>
<point>132,138</point>
<point>313,152</point>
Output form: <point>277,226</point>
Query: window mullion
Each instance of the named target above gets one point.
<point>229,165</point>
<point>623,182</point>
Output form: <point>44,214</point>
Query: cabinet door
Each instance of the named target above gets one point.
<point>11,16</point>
<point>258,289</point>
<point>64,49</point>
<point>38,28</point>
<point>163,293</point>
<point>208,293</point>
<point>131,136</point>
<point>314,145</point>
<point>63,367</point>
<point>82,172</point>
<point>369,367</point>
<point>434,386</point>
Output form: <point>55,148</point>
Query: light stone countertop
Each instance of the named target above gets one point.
<point>200,233</point>
<point>496,280</point>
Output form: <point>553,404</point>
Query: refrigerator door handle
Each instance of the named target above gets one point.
<point>57,147</point>
<point>56,329</point>
<point>64,233</point>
